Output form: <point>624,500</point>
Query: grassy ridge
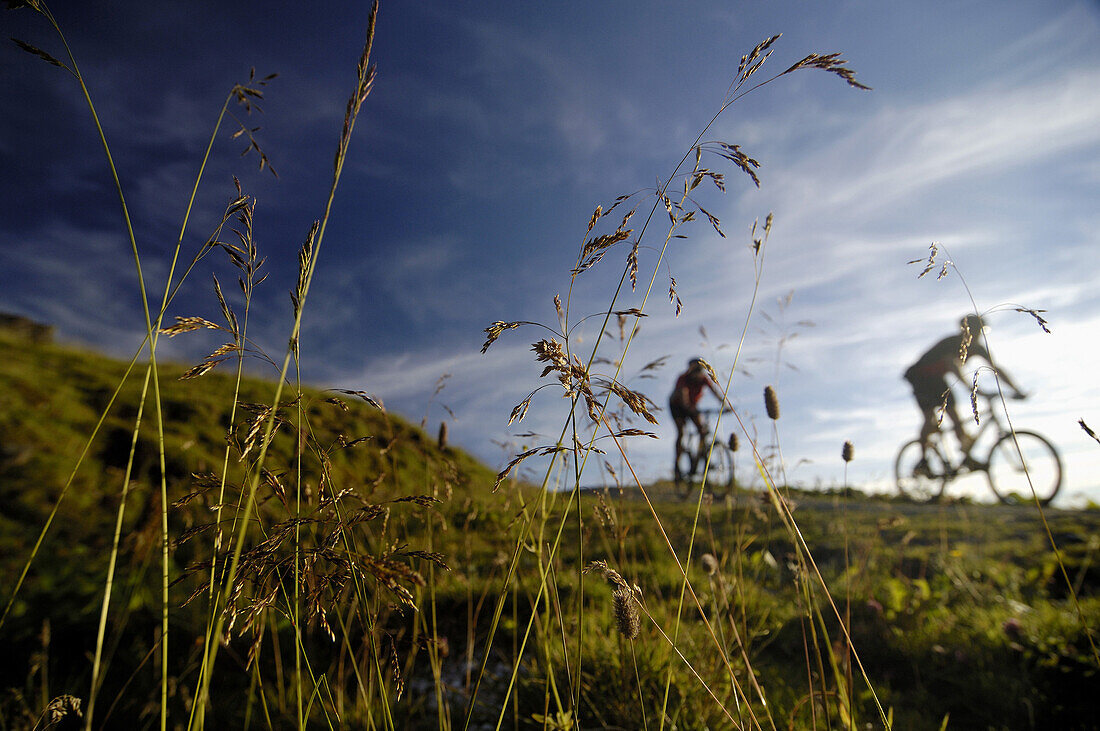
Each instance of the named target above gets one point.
<point>954,609</point>
<point>51,397</point>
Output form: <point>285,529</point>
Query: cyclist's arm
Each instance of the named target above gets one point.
<point>724,405</point>
<point>980,351</point>
<point>716,391</point>
<point>1010,383</point>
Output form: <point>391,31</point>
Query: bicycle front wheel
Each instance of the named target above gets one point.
<point>1012,479</point>
<point>920,483</point>
<point>686,466</point>
<point>719,471</point>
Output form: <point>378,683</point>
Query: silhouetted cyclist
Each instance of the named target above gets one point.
<point>928,377</point>
<point>683,404</point>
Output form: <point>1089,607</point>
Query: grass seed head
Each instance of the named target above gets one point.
<point>63,712</point>
<point>1087,430</point>
<point>604,513</point>
<point>626,612</point>
<point>846,451</point>
<point>771,403</point>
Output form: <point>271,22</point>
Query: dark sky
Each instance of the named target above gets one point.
<point>492,132</point>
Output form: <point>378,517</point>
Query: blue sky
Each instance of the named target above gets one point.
<point>493,131</point>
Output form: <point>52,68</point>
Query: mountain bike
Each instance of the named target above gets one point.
<point>719,473</point>
<point>1008,476</point>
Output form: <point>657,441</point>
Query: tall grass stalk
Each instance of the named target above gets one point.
<point>74,69</point>
<point>155,334</point>
<point>296,607</point>
<point>240,335</point>
<point>760,247</point>
<point>109,583</point>
<point>363,87</point>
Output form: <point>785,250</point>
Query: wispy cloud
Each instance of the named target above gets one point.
<point>903,151</point>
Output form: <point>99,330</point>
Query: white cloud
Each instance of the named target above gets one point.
<point>901,151</point>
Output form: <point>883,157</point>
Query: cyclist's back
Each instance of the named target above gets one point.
<point>928,377</point>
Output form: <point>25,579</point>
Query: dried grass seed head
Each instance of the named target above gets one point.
<point>771,403</point>
<point>625,608</point>
<point>1038,317</point>
<point>832,63</point>
<point>612,576</point>
<point>846,452</point>
<point>971,326</point>
<point>493,332</point>
<point>1087,430</point>
<point>63,712</point>
<point>604,513</point>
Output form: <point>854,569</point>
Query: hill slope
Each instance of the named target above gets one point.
<point>51,399</point>
<point>52,396</point>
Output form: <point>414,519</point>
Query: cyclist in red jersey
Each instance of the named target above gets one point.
<point>928,377</point>
<point>683,404</point>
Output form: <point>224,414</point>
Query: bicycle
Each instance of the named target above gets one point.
<point>1008,477</point>
<point>720,475</point>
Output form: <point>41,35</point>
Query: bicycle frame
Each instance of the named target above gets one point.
<point>697,448</point>
<point>704,444</point>
<point>968,462</point>
<point>1017,463</point>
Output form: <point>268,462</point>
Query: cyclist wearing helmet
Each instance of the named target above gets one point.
<point>928,377</point>
<point>683,404</point>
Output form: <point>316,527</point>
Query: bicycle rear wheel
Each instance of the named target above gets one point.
<point>686,466</point>
<point>1008,476</point>
<point>920,484</point>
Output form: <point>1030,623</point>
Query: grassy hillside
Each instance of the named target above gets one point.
<point>51,399</point>
<point>52,396</point>
<point>956,611</point>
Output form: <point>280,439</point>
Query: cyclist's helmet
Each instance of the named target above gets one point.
<point>973,323</point>
<point>695,364</point>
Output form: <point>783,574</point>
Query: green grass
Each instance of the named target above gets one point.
<point>973,620</point>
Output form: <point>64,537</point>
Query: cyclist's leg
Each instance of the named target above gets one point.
<point>928,428</point>
<point>703,430</point>
<point>930,406</point>
<point>679,451</point>
<point>700,424</point>
<point>929,393</point>
<point>965,440</point>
